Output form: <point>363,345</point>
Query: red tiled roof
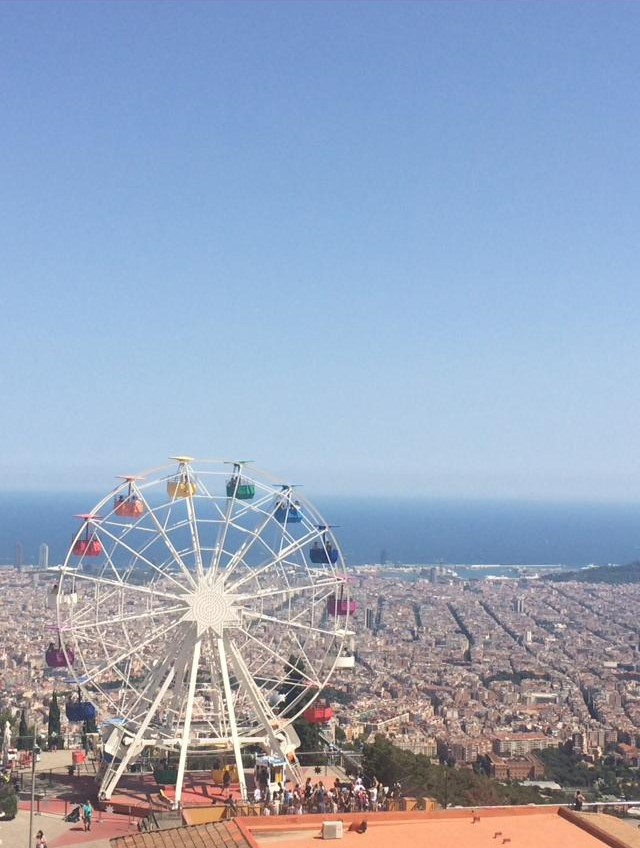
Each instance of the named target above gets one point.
<point>226,834</point>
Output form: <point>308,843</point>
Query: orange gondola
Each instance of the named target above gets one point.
<point>88,544</point>
<point>129,505</point>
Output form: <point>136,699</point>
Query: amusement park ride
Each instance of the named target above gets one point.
<point>201,609</point>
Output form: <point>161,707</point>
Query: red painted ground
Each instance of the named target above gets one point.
<point>60,833</point>
<point>106,829</point>
<point>138,792</point>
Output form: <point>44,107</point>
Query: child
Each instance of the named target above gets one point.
<point>87,814</point>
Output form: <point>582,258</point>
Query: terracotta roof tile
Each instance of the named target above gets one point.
<point>224,834</point>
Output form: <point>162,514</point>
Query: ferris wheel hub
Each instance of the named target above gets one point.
<point>211,607</point>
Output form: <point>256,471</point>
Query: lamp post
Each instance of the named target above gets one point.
<point>446,786</point>
<point>35,750</point>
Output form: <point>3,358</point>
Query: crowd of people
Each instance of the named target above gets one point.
<point>362,795</point>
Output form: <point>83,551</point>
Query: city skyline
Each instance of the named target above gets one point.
<point>371,246</point>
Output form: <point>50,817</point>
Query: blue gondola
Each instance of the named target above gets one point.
<point>288,512</point>
<point>79,710</point>
<point>323,554</point>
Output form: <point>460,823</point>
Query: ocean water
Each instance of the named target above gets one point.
<point>400,530</point>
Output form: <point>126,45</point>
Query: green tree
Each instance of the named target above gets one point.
<point>6,716</point>
<point>310,741</point>
<point>54,737</point>
<point>449,786</point>
<point>25,741</point>
<point>8,798</point>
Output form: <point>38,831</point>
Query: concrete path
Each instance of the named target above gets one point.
<point>15,834</point>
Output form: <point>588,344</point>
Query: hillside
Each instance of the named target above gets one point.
<point>448,786</point>
<point>613,574</point>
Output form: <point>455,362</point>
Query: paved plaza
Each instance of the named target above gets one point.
<point>50,817</point>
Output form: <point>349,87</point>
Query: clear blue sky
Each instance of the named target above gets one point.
<point>381,247</point>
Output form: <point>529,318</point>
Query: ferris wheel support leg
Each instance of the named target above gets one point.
<point>232,718</point>
<point>285,747</point>
<point>180,666</point>
<point>186,727</point>
<point>111,778</point>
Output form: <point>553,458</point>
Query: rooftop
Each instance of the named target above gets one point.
<point>514,827</point>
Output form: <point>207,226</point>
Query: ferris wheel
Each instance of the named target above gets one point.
<point>202,607</point>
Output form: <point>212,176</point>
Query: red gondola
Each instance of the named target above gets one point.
<point>56,658</point>
<point>319,713</point>
<point>88,545</point>
<point>339,605</point>
<point>129,508</point>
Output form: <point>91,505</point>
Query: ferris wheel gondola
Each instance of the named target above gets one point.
<point>288,509</point>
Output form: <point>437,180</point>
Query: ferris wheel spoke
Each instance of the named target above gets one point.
<point>162,530</point>
<point>333,583</point>
<point>259,616</point>
<point>303,651</point>
<point>125,678</point>
<point>222,537</point>
<point>111,565</point>
<point>254,506</point>
<point>126,619</point>
<point>256,535</point>
<point>195,536</point>
<point>262,709</point>
<point>159,632</point>
<point>282,555</point>
<point>288,666</point>
<point>138,556</point>
<point>129,587</point>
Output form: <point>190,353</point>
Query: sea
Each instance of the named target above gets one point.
<point>399,531</point>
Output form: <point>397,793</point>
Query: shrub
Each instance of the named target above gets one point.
<point>8,800</point>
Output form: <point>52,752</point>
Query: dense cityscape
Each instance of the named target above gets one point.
<point>498,668</point>
<point>459,671</point>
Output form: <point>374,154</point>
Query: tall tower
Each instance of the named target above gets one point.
<point>368,618</point>
<point>43,556</point>
<point>19,556</point>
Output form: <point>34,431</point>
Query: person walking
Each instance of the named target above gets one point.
<point>41,841</point>
<point>87,814</point>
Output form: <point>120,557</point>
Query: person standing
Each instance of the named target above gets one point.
<point>578,800</point>
<point>41,841</point>
<point>226,779</point>
<point>87,814</point>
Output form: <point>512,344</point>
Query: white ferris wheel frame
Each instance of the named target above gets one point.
<point>220,622</point>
